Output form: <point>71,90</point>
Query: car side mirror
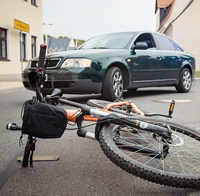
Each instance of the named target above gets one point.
<point>140,46</point>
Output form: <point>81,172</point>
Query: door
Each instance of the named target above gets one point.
<point>146,63</point>
<point>171,58</point>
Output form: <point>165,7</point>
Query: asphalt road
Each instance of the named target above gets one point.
<point>83,169</point>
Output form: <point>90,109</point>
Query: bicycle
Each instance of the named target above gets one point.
<point>153,149</point>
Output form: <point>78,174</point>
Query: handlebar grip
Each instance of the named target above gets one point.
<point>42,56</point>
<point>13,126</point>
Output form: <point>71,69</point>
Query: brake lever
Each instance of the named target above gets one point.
<point>54,97</point>
<point>154,114</point>
<point>171,109</point>
<point>52,100</point>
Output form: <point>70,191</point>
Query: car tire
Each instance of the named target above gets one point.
<point>185,81</point>
<point>113,85</point>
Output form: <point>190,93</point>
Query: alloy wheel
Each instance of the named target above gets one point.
<point>118,84</point>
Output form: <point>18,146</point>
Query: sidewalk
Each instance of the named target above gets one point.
<point>14,85</point>
<point>10,85</point>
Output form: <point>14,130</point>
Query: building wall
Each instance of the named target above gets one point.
<point>177,7</point>
<point>25,12</point>
<point>184,30</point>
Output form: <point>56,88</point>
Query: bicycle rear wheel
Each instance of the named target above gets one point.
<point>101,104</point>
<point>143,154</point>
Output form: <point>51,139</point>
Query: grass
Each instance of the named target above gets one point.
<point>197,74</point>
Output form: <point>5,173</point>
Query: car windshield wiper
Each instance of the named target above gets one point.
<point>99,48</point>
<point>92,48</point>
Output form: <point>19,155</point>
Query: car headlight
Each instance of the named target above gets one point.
<point>76,63</point>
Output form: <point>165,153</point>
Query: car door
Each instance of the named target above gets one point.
<point>146,63</point>
<point>171,58</point>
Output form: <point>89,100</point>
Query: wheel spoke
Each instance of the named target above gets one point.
<point>118,84</point>
<point>144,154</point>
<point>183,157</point>
<point>187,80</point>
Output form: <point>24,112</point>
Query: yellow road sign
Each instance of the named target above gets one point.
<point>21,26</point>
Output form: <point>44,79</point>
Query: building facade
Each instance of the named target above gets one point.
<point>60,44</point>
<point>21,33</point>
<point>179,20</point>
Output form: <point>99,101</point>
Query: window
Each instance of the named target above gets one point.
<point>33,46</point>
<point>164,42</point>
<point>23,45</point>
<point>147,38</point>
<point>164,12</point>
<point>176,46</point>
<point>33,2</point>
<point>3,44</point>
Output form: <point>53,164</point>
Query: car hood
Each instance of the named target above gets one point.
<point>91,53</point>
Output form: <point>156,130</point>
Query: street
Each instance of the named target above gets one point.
<point>83,169</point>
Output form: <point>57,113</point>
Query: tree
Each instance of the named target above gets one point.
<point>60,37</point>
<point>80,41</point>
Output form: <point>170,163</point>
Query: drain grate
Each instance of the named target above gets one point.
<point>176,100</point>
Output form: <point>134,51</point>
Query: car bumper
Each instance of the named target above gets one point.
<point>80,86</point>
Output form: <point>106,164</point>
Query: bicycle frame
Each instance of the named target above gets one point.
<point>107,108</point>
<point>112,118</point>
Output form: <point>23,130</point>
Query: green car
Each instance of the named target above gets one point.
<point>111,63</point>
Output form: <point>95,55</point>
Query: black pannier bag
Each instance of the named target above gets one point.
<point>43,120</point>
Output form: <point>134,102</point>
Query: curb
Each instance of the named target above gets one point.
<point>22,87</point>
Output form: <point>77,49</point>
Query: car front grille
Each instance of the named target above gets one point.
<point>49,63</point>
<point>63,84</point>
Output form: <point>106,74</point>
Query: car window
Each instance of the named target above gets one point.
<point>176,46</point>
<point>164,42</point>
<point>108,41</point>
<point>148,39</point>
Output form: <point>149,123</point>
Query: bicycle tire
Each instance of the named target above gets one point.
<point>101,104</point>
<point>176,170</point>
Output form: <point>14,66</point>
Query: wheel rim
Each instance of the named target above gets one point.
<point>187,80</point>
<point>183,157</point>
<point>118,84</point>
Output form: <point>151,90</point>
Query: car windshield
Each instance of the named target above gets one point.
<point>108,41</point>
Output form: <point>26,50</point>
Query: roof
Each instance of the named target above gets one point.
<point>168,3</point>
<point>58,43</point>
<point>163,4</point>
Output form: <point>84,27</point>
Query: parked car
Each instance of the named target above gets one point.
<point>111,63</point>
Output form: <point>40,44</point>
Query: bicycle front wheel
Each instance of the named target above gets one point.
<point>147,156</point>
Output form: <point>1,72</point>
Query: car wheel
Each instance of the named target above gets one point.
<point>185,81</point>
<point>113,85</point>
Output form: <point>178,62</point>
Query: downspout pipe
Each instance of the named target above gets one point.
<point>191,1</point>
